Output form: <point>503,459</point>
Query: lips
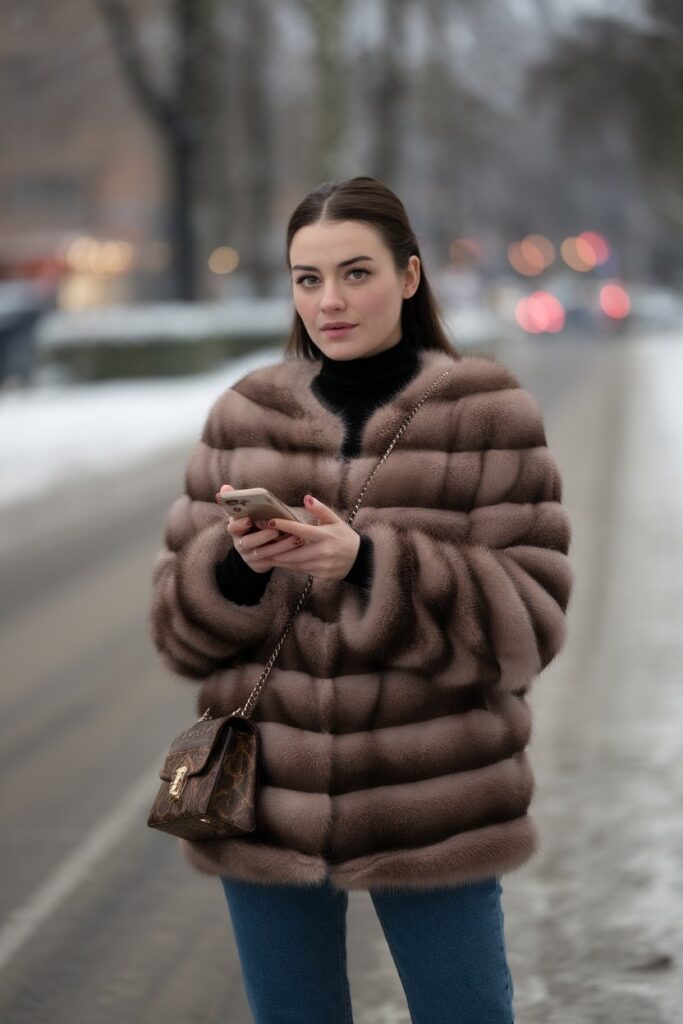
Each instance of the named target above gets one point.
<point>336,325</point>
<point>338,332</point>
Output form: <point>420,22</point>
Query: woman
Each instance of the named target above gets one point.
<point>395,720</point>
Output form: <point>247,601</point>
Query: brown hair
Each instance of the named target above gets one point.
<point>370,201</point>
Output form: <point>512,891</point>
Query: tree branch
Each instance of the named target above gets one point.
<point>159,108</point>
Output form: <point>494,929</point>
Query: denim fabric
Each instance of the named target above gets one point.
<point>448,945</point>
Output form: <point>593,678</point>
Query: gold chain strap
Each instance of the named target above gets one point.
<point>248,705</point>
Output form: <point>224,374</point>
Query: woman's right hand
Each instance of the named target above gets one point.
<point>249,544</point>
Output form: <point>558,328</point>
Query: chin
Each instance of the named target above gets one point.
<point>339,349</point>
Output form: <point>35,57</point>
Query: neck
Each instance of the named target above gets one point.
<point>364,373</point>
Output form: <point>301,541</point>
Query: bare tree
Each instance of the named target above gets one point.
<point>611,75</point>
<point>327,19</point>
<point>389,85</point>
<point>459,129</point>
<point>260,163</point>
<point>174,113</point>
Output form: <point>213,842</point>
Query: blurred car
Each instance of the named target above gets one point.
<point>656,306</point>
<point>22,305</point>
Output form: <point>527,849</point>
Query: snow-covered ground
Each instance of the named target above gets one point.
<point>53,433</point>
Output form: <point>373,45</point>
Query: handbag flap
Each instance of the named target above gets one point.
<point>193,747</point>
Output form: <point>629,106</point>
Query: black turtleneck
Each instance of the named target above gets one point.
<point>353,388</point>
<point>356,387</point>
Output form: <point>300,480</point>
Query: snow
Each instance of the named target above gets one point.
<point>172,321</point>
<point>49,434</point>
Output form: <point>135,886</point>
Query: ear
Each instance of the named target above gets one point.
<point>411,278</point>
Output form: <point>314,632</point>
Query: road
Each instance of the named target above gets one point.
<point>103,921</point>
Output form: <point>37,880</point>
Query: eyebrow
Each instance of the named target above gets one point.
<point>344,263</point>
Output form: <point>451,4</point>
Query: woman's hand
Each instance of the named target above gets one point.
<point>252,546</point>
<point>328,550</point>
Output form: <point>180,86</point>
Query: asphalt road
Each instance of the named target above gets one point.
<point>102,920</point>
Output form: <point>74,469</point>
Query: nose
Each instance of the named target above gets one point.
<point>331,297</point>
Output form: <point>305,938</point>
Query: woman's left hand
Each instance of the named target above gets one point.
<point>328,550</point>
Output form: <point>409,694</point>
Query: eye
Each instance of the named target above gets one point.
<point>354,270</point>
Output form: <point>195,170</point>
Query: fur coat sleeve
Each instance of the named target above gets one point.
<point>194,626</point>
<point>478,585</point>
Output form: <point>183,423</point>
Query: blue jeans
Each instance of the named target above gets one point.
<point>447,943</point>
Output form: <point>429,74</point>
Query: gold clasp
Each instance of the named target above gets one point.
<point>176,787</point>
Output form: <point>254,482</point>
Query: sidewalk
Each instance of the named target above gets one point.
<point>594,921</point>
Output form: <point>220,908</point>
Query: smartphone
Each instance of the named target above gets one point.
<point>258,503</point>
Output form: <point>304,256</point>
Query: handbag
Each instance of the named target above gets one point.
<point>211,771</point>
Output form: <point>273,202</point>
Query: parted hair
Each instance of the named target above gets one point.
<point>370,201</point>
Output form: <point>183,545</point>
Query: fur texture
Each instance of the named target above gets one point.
<point>394,722</point>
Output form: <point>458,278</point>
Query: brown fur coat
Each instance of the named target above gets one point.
<point>394,722</point>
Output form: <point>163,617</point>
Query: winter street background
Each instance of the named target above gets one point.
<point>106,922</point>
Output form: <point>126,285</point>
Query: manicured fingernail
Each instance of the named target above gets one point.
<point>271,523</point>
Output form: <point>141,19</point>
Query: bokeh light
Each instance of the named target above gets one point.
<point>223,260</point>
<point>578,254</point>
<point>465,251</point>
<point>88,255</point>
<point>596,245</point>
<point>615,301</point>
<point>539,313</point>
<point>520,262</point>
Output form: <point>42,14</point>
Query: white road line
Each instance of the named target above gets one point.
<point>25,920</point>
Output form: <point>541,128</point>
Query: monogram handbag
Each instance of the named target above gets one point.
<point>210,773</point>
